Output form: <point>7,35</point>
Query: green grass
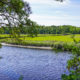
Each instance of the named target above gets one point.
<point>57,42</point>
<point>3,36</point>
<point>41,40</point>
<point>52,38</point>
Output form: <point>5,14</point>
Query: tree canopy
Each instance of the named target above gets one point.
<point>13,12</point>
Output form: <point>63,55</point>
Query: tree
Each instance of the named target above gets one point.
<point>13,12</point>
<point>32,28</point>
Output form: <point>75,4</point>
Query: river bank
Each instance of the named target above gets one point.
<point>48,42</point>
<point>31,47</point>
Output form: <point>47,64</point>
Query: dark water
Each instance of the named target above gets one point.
<point>32,64</point>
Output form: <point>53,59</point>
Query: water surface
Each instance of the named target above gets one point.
<point>33,64</point>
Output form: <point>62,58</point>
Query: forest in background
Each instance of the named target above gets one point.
<point>37,29</point>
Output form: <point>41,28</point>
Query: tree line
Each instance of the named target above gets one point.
<point>37,29</point>
<point>64,29</point>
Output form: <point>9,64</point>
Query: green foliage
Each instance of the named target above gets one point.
<point>73,64</point>
<point>71,76</point>
<point>74,69</point>
<point>63,46</point>
<point>14,13</point>
<point>32,30</point>
<point>30,25</point>
<point>12,8</point>
<point>65,29</point>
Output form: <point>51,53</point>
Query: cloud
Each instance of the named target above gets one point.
<point>50,12</point>
<point>56,20</point>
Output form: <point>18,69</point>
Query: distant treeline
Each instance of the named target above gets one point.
<point>65,29</point>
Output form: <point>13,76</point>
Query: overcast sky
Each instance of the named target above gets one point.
<point>50,12</point>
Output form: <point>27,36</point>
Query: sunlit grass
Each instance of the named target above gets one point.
<point>41,39</point>
<point>63,38</point>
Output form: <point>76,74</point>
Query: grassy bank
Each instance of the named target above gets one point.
<point>62,42</point>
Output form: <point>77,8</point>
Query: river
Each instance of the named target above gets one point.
<point>32,64</point>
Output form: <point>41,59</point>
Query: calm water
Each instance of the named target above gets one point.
<point>32,64</point>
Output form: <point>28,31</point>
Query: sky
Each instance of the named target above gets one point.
<point>50,12</point>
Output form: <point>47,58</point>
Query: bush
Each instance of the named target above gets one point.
<point>73,66</point>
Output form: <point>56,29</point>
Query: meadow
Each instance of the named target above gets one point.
<point>45,37</point>
<point>41,39</point>
<point>52,37</point>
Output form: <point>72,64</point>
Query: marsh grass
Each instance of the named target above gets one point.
<point>57,42</point>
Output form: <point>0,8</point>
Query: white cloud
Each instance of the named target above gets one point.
<point>56,20</point>
<point>50,12</point>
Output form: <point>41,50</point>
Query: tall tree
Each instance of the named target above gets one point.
<point>13,12</point>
